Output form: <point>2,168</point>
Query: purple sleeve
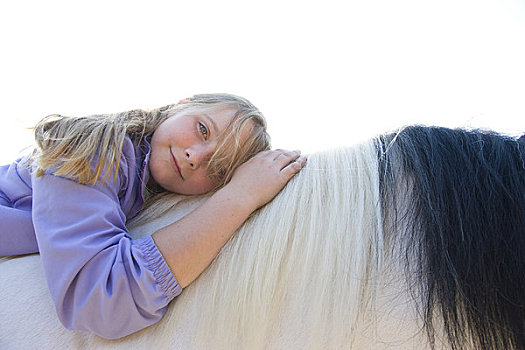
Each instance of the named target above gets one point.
<point>17,235</point>
<point>100,279</point>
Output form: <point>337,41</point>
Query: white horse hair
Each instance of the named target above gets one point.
<point>322,266</point>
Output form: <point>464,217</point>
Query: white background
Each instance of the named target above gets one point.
<point>325,73</point>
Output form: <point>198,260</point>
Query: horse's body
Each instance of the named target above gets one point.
<point>413,240</point>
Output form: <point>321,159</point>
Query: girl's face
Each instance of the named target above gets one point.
<point>181,148</point>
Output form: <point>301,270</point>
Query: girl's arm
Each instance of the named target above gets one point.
<point>190,244</point>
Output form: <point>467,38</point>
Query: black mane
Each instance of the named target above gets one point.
<point>465,202</point>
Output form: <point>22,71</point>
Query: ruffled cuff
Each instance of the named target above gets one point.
<point>161,272</point>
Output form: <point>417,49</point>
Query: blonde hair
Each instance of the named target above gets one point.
<point>86,149</point>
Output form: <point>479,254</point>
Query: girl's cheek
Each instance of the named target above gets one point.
<point>207,184</point>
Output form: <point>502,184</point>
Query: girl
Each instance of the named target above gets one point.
<point>71,198</point>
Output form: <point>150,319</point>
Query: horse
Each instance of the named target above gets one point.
<point>413,239</point>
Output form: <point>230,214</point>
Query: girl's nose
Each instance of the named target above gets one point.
<point>196,156</point>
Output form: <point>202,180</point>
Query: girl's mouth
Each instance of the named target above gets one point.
<point>174,165</point>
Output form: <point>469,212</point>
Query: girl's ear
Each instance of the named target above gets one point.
<point>184,100</point>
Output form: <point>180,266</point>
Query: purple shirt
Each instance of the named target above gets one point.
<point>100,279</point>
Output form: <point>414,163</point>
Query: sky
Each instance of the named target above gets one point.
<point>325,73</point>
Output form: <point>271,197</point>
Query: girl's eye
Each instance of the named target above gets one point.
<point>203,130</point>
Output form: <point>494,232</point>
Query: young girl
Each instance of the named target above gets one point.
<point>71,198</point>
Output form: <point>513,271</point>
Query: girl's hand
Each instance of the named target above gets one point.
<point>262,177</point>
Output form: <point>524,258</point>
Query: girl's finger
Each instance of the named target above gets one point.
<point>268,153</point>
<point>287,156</point>
<point>271,154</point>
<point>294,167</point>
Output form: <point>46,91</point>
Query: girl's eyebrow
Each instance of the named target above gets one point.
<point>213,124</point>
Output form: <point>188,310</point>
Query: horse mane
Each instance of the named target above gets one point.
<point>455,199</point>
<point>445,206</point>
